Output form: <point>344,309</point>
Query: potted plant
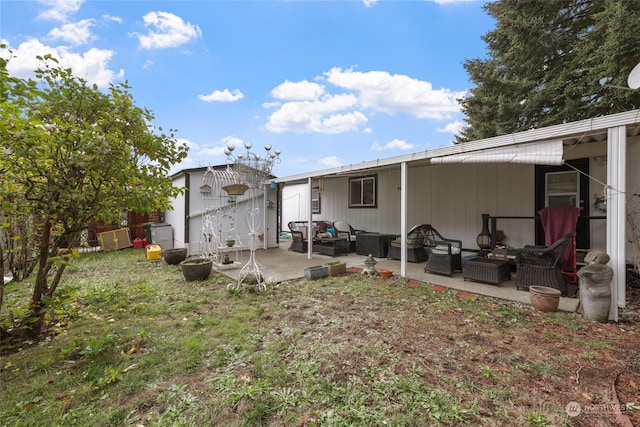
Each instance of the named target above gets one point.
<point>385,274</point>
<point>336,267</point>
<point>175,255</point>
<point>196,269</point>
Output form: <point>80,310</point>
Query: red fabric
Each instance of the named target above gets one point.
<point>558,221</point>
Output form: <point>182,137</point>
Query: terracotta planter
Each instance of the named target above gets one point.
<point>196,269</point>
<point>174,256</point>
<point>385,274</point>
<point>544,298</point>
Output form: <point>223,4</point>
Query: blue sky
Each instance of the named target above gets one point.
<point>329,83</point>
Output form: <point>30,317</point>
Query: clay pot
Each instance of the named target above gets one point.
<point>544,298</point>
<point>174,256</point>
<point>385,274</point>
<point>196,269</point>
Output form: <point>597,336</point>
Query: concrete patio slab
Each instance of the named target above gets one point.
<point>283,265</point>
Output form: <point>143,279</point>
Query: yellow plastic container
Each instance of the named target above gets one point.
<point>153,252</point>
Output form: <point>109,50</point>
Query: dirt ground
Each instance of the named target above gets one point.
<point>600,374</point>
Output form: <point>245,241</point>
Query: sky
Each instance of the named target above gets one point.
<point>328,83</point>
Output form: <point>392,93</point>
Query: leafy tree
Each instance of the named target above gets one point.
<point>74,155</point>
<point>545,65</point>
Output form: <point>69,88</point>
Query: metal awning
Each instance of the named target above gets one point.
<point>537,153</point>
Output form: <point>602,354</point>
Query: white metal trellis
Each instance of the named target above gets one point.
<point>220,217</point>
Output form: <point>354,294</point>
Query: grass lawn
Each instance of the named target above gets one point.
<point>132,343</point>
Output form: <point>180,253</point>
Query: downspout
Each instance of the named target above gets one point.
<point>187,184</point>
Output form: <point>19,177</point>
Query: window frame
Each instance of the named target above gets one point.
<point>362,189</point>
<point>316,201</point>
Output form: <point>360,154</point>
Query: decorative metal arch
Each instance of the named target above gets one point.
<point>220,216</point>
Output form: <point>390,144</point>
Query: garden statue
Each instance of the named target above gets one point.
<point>595,286</point>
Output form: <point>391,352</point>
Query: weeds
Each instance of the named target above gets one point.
<point>132,343</point>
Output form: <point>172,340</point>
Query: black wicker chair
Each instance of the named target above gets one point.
<point>415,245</point>
<point>299,242</point>
<point>541,265</point>
<point>444,255</point>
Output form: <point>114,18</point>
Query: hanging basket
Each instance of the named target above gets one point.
<point>235,189</point>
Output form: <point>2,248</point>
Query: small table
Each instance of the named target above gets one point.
<point>376,244</point>
<point>331,246</point>
<point>488,270</point>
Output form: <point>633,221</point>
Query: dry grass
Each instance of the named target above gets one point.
<point>133,343</point>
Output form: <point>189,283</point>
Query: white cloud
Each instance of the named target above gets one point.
<point>112,18</point>
<point>453,127</point>
<point>305,106</point>
<point>329,114</point>
<point>298,91</point>
<point>167,30</point>
<point>330,161</point>
<point>222,96</point>
<point>76,33</point>
<point>90,65</point>
<point>396,144</point>
<point>369,3</point>
<point>381,91</point>
<point>59,10</point>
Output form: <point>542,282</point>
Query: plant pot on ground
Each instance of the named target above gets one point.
<point>174,256</point>
<point>335,268</point>
<point>385,274</point>
<point>196,269</point>
<point>544,298</point>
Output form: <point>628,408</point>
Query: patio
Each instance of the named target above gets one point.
<point>283,265</point>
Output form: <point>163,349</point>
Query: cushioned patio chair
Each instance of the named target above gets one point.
<point>541,265</point>
<point>344,229</point>
<point>415,245</point>
<point>444,255</point>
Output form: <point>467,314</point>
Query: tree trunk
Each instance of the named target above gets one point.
<point>40,288</point>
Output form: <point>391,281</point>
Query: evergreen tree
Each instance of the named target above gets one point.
<point>545,63</point>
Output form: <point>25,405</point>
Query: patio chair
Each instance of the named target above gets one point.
<point>541,265</point>
<point>299,241</point>
<point>415,245</point>
<point>344,229</point>
<point>556,222</point>
<point>444,255</point>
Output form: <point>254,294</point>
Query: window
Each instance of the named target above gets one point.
<point>315,200</point>
<point>363,192</point>
<point>563,188</point>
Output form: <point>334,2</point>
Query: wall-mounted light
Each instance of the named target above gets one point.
<point>205,189</point>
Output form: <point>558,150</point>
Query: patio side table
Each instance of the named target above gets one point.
<point>487,270</point>
<point>376,244</point>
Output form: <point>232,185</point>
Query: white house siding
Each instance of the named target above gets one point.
<point>453,197</point>
<point>175,217</point>
<point>295,203</point>
<point>197,204</point>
